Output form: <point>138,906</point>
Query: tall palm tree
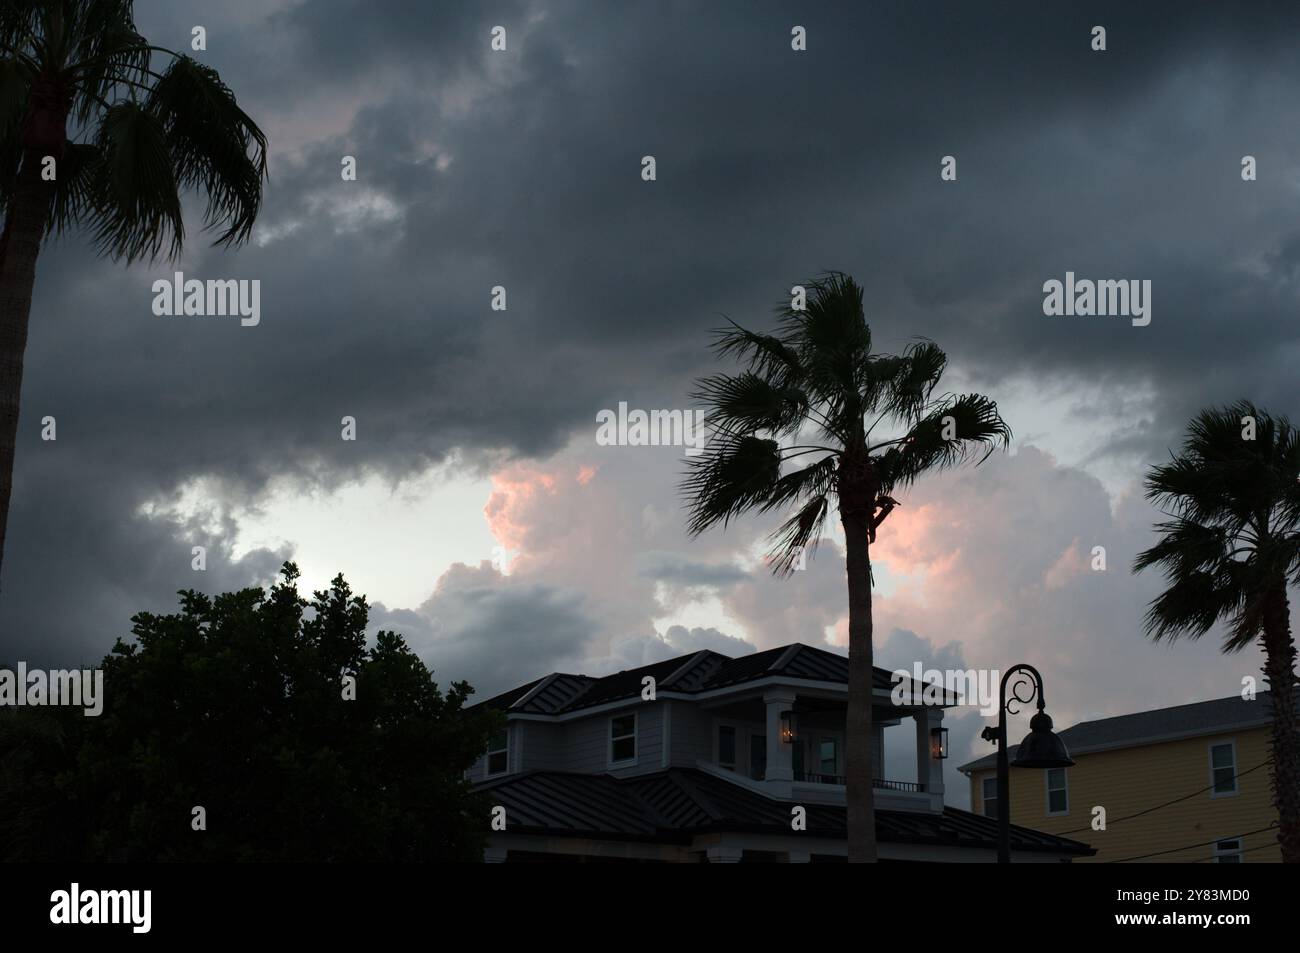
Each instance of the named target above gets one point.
<point>816,379</point>
<point>138,138</point>
<point>1229,550</point>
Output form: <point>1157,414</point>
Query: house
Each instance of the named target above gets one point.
<point>718,759</point>
<point>1182,784</point>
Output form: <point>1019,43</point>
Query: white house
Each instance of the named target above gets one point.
<point>713,764</point>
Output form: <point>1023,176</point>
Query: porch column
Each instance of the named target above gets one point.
<point>779,756</point>
<point>929,771</point>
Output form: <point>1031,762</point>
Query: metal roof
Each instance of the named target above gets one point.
<point>691,674</point>
<point>674,805</point>
<point>1161,724</point>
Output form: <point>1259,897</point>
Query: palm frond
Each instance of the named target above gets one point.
<point>20,24</point>
<point>99,50</point>
<point>1190,607</point>
<point>1185,547</point>
<point>817,369</point>
<point>909,391</point>
<point>816,479</point>
<point>955,431</point>
<point>733,475</point>
<point>215,147</point>
<point>747,404</point>
<point>764,354</point>
<point>798,535</point>
<point>15,85</point>
<point>1234,539</point>
<point>136,207</point>
<point>831,338</point>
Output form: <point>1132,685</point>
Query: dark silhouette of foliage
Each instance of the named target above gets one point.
<point>235,703</point>
<point>1229,550</point>
<point>818,420</point>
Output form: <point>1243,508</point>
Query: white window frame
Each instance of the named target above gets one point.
<point>1209,754</point>
<point>1238,851</point>
<point>1047,785</point>
<point>487,757</point>
<point>984,797</point>
<point>609,746</point>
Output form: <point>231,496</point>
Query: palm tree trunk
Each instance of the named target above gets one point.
<point>25,224</point>
<point>1279,672</point>
<point>859,741</point>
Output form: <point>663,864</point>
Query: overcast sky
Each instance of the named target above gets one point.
<point>476,428</point>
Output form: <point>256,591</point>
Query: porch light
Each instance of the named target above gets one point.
<point>787,728</point>
<point>938,743</point>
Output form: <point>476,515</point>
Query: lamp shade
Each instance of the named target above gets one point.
<point>1042,747</point>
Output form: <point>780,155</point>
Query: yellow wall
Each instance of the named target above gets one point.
<point>1128,780</point>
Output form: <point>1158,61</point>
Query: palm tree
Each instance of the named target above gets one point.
<point>139,138</point>
<point>1229,549</point>
<point>817,379</point>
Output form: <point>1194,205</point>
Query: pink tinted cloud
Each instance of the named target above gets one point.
<point>516,492</point>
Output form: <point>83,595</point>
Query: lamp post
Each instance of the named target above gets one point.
<point>1041,749</point>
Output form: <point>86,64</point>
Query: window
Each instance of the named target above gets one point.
<point>498,753</point>
<point>828,756</point>
<point>758,757</point>
<point>1228,851</point>
<point>1223,769</point>
<point>727,747</point>
<point>1058,798</point>
<point>622,738</point>
<point>989,795</point>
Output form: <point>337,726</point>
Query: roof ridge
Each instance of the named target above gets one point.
<point>786,657</point>
<point>541,683</point>
<point>1152,711</point>
<point>692,789</point>
<point>690,663</point>
<point>589,682</point>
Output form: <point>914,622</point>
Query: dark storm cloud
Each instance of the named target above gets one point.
<point>480,628</point>
<point>523,171</point>
<point>670,568</point>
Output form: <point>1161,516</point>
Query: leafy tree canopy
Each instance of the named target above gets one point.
<point>236,704</point>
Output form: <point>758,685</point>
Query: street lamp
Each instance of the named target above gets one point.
<point>1042,747</point>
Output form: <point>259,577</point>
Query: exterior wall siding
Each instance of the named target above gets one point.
<point>692,735</point>
<point>583,744</point>
<point>1128,780</point>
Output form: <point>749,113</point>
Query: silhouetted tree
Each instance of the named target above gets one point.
<point>236,704</point>
<point>1229,550</point>
<point>143,137</point>
<point>817,379</point>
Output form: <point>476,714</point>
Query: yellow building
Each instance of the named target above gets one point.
<point>1182,785</point>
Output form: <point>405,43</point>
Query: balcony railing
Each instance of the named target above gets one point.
<point>815,777</point>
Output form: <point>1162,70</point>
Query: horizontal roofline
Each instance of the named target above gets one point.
<point>1201,731</point>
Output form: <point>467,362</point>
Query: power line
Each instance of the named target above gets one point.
<point>1247,850</point>
<point>1175,850</point>
<point>1186,797</point>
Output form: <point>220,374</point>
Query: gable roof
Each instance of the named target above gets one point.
<point>674,805</point>
<point>702,671</point>
<point>1149,727</point>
